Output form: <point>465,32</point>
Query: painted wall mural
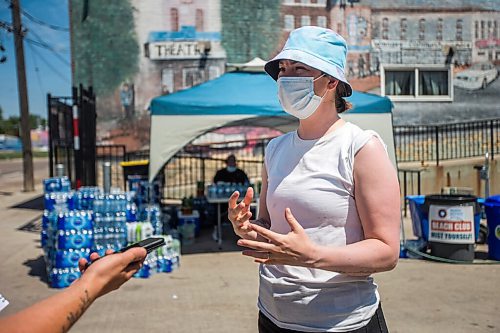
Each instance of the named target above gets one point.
<point>418,51</point>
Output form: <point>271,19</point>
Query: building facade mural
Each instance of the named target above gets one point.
<point>171,45</point>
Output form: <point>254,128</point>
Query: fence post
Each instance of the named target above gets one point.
<point>404,192</point>
<point>437,145</point>
<point>492,145</point>
<point>49,120</point>
<point>419,183</point>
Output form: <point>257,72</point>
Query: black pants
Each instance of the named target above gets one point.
<point>376,325</point>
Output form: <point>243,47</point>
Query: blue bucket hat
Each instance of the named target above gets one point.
<point>320,48</point>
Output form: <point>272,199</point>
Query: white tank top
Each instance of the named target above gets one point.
<point>315,179</point>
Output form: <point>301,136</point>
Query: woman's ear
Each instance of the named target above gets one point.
<point>333,84</point>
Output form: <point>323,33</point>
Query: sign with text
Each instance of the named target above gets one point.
<point>178,50</point>
<point>453,225</point>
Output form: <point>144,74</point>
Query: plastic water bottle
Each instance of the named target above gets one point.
<point>63,277</point>
<point>74,239</point>
<point>69,258</point>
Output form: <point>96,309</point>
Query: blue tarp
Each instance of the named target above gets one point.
<point>246,93</point>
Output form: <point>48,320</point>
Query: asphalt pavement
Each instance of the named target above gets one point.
<point>216,291</point>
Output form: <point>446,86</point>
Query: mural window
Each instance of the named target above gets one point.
<point>167,81</point>
<point>490,30</point>
<point>321,21</point>
<point>421,29</point>
<point>417,83</point>
<point>305,20</point>
<point>432,83</point>
<point>192,76</point>
<point>362,26</point>
<point>399,83</point>
<point>403,26</point>
<point>476,29</point>
<point>385,28</point>
<point>459,30</point>
<point>289,22</point>
<point>174,19</point>
<point>495,29</point>
<point>199,20</point>
<point>482,29</point>
<point>439,30</point>
<point>375,30</point>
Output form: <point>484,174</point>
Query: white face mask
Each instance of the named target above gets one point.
<point>231,168</point>
<point>296,95</point>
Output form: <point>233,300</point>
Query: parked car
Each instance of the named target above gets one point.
<point>478,76</point>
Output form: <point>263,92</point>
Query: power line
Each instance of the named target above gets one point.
<point>37,71</point>
<point>36,43</point>
<point>41,43</point>
<point>51,67</point>
<point>38,21</point>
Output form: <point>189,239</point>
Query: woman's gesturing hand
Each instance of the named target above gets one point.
<point>239,213</point>
<point>294,248</point>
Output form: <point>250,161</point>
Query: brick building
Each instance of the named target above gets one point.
<point>354,24</point>
<point>424,34</point>
<point>181,46</point>
<point>297,13</point>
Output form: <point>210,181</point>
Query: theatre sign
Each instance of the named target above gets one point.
<point>167,50</point>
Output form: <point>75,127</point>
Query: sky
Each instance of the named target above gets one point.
<point>47,67</point>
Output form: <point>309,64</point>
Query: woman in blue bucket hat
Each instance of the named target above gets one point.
<point>329,206</point>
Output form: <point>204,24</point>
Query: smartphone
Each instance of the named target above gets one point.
<point>149,244</point>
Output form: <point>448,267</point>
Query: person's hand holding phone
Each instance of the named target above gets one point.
<point>111,271</point>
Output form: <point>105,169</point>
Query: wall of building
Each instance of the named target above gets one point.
<point>243,29</point>
<point>485,31</point>
<point>250,28</point>
<point>455,173</point>
<point>421,37</point>
<point>354,24</point>
<point>158,77</point>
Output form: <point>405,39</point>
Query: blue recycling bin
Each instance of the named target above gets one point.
<point>492,208</point>
<point>420,216</point>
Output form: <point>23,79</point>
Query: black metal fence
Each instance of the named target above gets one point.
<point>445,142</point>
<point>61,146</point>
<point>72,135</point>
<point>194,167</point>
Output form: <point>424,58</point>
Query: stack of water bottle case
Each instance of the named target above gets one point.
<point>77,223</point>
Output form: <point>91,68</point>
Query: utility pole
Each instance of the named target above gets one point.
<point>23,98</point>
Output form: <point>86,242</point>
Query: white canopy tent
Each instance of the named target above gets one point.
<point>243,99</point>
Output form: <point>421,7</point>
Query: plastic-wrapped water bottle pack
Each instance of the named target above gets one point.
<point>77,223</point>
<point>163,260</point>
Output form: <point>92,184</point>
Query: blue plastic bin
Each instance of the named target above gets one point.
<point>420,216</point>
<point>492,208</point>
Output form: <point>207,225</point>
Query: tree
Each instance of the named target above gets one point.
<point>11,125</point>
<point>104,44</point>
<point>250,28</point>
<point>2,127</point>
